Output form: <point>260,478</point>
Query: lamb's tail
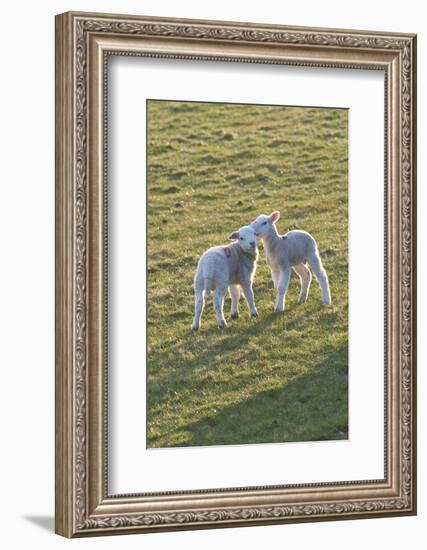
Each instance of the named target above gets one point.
<point>208,282</point>
<point>208,271</point>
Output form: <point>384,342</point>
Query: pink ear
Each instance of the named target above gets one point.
<point>234,236</point>
<point>274,216</point>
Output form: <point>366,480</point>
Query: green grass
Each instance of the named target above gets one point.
<point>211,169</point>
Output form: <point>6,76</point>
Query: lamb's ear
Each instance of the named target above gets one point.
<point>233,236</point>
<point>274,216</point>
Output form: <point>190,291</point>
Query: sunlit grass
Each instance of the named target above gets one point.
<point>211,169</point>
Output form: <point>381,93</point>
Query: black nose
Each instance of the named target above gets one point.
<point>253,245</point>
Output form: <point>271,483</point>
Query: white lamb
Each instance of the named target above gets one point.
<point>292,251</point>
<point>227,267</point>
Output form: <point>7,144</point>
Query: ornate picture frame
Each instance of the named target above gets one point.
<point>84,506</point>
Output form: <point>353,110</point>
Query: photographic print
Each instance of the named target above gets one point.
<point>247,279</point>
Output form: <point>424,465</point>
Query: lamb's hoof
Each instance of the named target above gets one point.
<point>327,302</point>
<point>254,314</point>
<point>278,310</point>
<point>235,315</point>
<point>195,327</point>
<point>302,300</point>
<point>222,325</point>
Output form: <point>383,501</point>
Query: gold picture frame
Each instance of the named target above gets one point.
<point>83,43</point>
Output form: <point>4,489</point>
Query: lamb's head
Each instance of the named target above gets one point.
<point>264,225</point>
<point>246,239</point>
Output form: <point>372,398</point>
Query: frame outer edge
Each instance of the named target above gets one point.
<point>72,513</point>
<point>64,390</point>
<point>249,25</point>
<point>414,271</point>
<point>414,256</point>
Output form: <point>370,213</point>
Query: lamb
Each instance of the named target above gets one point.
<point>292,251</point>
<point>227,267</point>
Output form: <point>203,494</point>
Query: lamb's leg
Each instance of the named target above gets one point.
<point>218,301</point>
<point>317,267</point>
<point>282,287</point>
<point>235,295</point>
<point>304,275</point>
<point>275,274</point>
<point>199,303</point>
<point>249,295</point>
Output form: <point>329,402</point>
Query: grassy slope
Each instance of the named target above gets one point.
<point>213,168</point>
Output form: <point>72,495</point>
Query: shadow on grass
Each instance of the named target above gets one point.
<point>310,407</point>
<point>170,372</point>
<point>208,345</point>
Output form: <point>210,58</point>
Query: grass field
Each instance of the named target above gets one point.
<point>211,169</point>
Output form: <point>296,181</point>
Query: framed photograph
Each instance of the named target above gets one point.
<point>235,274</point>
